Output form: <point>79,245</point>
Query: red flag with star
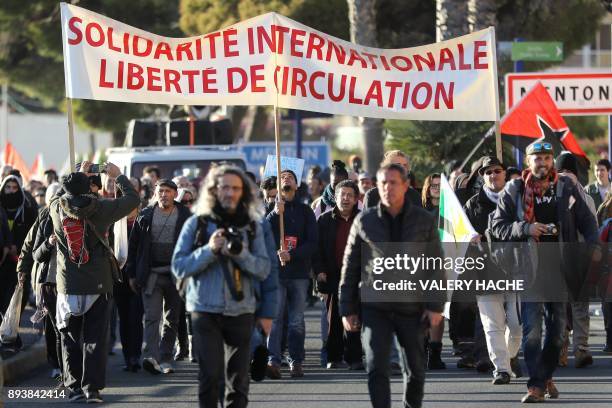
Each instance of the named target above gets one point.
<point>536,117</point>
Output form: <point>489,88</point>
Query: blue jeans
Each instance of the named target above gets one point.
<point>378,327</point>
<point>542,361</point>
<point>292,295</point>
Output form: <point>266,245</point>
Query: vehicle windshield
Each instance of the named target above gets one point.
<point>195,171</point>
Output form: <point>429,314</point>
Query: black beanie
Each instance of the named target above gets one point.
<point>76,184</point>
<point>96,180</point>
<point>567,161</point>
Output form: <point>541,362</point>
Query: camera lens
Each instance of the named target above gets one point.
<point>234,246</point>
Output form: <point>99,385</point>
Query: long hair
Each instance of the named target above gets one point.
<point>208,198</point>
<point>425,196</point>
<point>605,209</point>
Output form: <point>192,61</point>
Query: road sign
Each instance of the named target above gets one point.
<point>578,93</point>
<point>537,51</point>
<point>313,153</point>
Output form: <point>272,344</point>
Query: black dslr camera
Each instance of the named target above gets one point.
<point>234,240</point>
<point>551,229</point>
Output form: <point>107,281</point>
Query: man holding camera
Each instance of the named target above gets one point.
<point>222,253</point>
<point>545,208</point>
<point>81,222</point>
<point>149,267</point>
<point>300,244</point>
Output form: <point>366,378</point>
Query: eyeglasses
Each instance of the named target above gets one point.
<point>496,171</point>
<point>187,201</point>
<point>435,186</point>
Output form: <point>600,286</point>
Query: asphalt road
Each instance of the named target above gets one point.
<point>452,388</point>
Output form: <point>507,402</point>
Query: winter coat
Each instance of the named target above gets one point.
<point>207,290</point>
<point>266,291</point>
<point>42,250</point>
<point>372,226</point>
<point>325,261</point>
<point>573,216</point>
<point>95,276</point>
<point>299,223</point>
<point>139,253</point>
<point>23,216</point>
<point>593,191</point>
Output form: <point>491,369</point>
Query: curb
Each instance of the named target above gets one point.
<point>16,368</point>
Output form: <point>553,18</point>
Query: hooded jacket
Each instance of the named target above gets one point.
<point>93,277</point>
<point>20,215</point>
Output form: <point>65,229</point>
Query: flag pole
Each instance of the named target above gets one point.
<point>475,149</point>
<point>71,135</point>
<point>498,140</point>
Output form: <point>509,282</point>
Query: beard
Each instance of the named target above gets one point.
<point>541,172</point>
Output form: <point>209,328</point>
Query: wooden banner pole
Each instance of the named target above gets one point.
<point>71,135</point>
<point>278,172</point>
<point>498,141</point>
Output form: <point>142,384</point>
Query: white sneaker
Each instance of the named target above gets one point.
<point>151,365</point>
<point>166,368</point>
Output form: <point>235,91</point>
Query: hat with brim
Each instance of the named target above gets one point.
<point>539,148</point>
<point>490,161</point>
<point>167,183</point>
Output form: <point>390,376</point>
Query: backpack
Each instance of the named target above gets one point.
<point>74,231</point>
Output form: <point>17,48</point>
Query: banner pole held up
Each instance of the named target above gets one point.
<point>498,141</point>
<point>71,135</point>
<point>281,219</point>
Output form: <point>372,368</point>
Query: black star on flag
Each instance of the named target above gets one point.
<point>553,136</point>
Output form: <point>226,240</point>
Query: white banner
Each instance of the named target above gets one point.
<point>107,60</point>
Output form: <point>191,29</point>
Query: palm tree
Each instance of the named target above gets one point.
<point>451,19</point>
<point>362,17</point>
<point>483,14</point>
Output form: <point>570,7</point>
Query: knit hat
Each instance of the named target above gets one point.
<point>567,161</point>
<point>76,184</point>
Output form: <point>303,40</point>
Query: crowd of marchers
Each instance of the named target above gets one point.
<point>220,271</point>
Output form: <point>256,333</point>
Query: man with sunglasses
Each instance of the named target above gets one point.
<point>544,207</point>
<point>498,311</point>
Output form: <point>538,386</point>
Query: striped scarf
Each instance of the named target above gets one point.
<point>534,187</point>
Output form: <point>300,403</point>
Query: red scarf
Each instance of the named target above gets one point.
<point>534,187</point>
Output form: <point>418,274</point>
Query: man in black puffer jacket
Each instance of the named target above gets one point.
<point>394,220</point>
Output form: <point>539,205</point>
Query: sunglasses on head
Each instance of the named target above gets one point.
<point>496,171</point>
<point>537,147</point>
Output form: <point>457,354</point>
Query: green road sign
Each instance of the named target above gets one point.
<point>537,51</point>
